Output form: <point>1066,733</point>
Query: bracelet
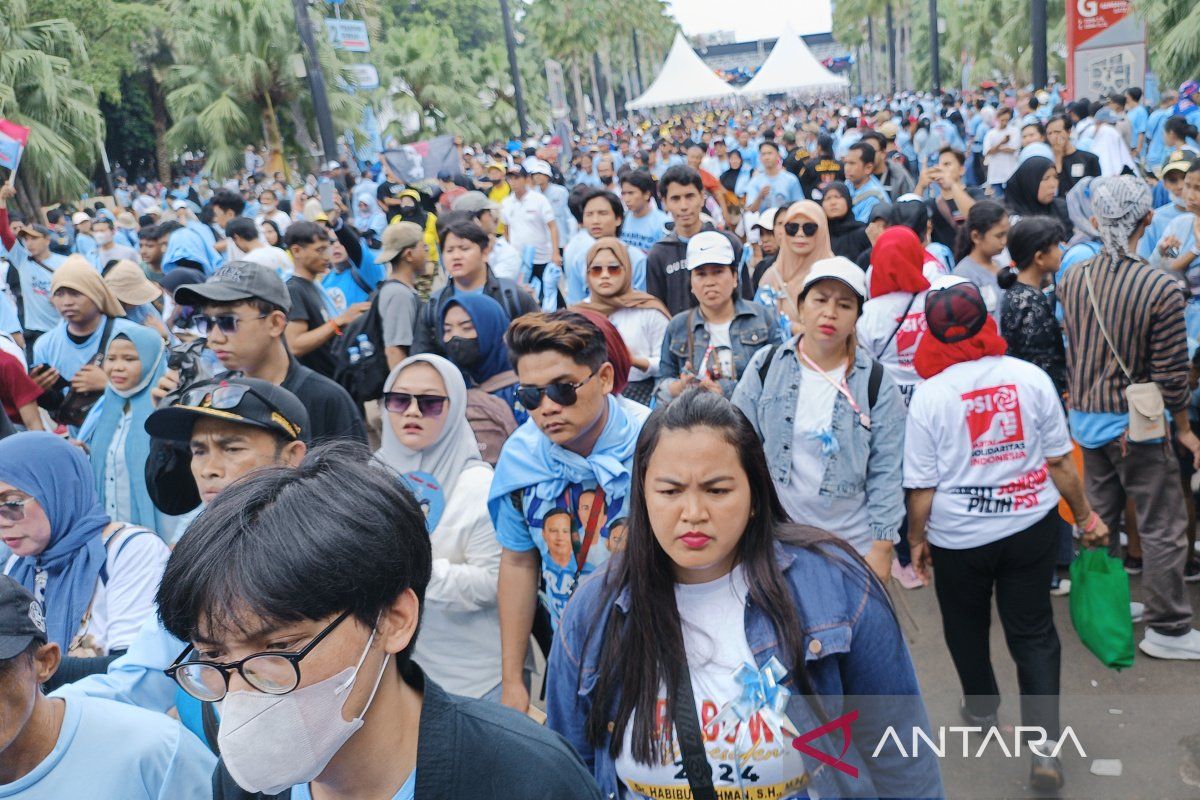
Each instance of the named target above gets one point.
<point>1091,523</point>
<point>337,329</point>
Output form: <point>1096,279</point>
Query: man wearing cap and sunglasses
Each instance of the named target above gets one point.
<point>29,253</point>
<point>63,747</point>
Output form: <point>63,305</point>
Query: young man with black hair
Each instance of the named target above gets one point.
<point>949,207</point>
<point>566,381</point>
<point>865,189</point>
<point>667,277</point>
<point>503,258</point>
<point>311,328</point>
<point>894,176</point>
<point>54,747</point>
<point>645,222</point>
<point>404,250</point>
<point>226,204</point>
<point>344,715</point>
<point>603,215</point>
<point>772,186</point>
<point>244,234</point>
<point>107,249</point>
<point>465,247</point>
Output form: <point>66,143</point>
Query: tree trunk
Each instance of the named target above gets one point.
<point>597,109</point>
<point>158,108</point>
<point>577,86</point>
<point>609,95</point>
<point>29,199</point>
<point>304,136</point>
<point>275,160</point>
<point>871,74</point>
<point>627,82</point>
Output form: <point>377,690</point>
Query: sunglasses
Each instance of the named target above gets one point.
<point>792,228</point>
<point>605,269</point>
<point>229,396</point>
<point>429,405</point>
<point>564,394</point>
<point>14,510</point>
<point>227,323</point>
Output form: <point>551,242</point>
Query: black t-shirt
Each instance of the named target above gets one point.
<point>944,230</point>
<point>827,171</point>
<point>308,307</point>
<point>1076,167</point>
<point>331,411</point>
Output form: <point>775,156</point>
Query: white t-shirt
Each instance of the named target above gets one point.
<point>980,432</point>
<point>281,220</point>
<point>812,435</point>
<point>272,258</point>
<point>1000,166</point>
<point>527,221</point>
<point>712,616</point>
<point>720,360</point>
<point>643,330</point>
<point>890,329</point>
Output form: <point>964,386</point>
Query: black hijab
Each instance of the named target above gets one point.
<point>730,176</point>
<point>847,236</point>
<point>1020,193</point>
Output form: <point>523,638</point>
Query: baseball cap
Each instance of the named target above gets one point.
<point>332,165</point>
<point>21,619</point>
<point>396,238</point>
<point>131,286</point>
<point>954,309</point>
<point>246,401</point>
<point>766,220</point>
<point>80,216</point>
<point>474,203</point>
<point>37,230</point>
<point>388,190</point>
<point>538,167</point>
<point>709,247</point>
<point>839,269</point>
<point>498,165</point>
<point>1180,161</point>
<point>881,211</point>
<point>178,204</point>
<point>888,130</point>
<point>237,280</point>
<point>517,169</point>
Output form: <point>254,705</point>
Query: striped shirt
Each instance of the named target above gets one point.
<point>1142,308</point>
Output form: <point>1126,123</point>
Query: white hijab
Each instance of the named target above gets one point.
<point>454,449</point>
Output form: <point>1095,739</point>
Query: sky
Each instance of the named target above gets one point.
<point>753,19</point>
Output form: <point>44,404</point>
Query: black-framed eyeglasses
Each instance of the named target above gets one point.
<point>14,510</point>
<point>227,323</point>
<point>564,394</point>
<point>429,405</point>
<point>809,228</point>
<point>269,673</point>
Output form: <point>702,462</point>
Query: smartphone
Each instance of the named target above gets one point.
<point>325,190</point>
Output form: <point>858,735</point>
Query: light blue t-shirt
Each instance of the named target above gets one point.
<point>644,231</point>
<point>1163,216</point>
<point>407,792</point>
<point>156,760</point>
<point>1156,149</point>
<point>9,322</point>
<point>40,314</point>
<point>785,189</point>
<point>56,348</point>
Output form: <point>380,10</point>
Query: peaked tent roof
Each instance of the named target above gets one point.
<point>684,78</point>
<point>791,67</point>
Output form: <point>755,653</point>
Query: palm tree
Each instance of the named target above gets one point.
<point>1173,36</point>
<point>40,90</point>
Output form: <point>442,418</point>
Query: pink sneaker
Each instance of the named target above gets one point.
<point>906,576</point>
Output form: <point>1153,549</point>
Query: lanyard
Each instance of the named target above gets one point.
<point>842,387</point>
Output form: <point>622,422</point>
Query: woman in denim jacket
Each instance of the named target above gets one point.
<point>831,419</point>
<point>764,629</point>
<point>710,344</point>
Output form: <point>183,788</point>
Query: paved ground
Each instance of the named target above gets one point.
<point>1158,701</point>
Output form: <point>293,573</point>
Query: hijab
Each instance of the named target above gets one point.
<point>491,321</point>
<point>729,177</point>
<point>1079,209</point>
<point>105,417</point>
<point>56,474</point>
<point>897,263</point>
<point>1119,203</point>
<point>1021,191</point>
<point>455,448</point>
<point>786,275</point>
<point>839,187</point>
<point>627,297</point>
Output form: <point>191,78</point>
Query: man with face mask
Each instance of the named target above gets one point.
<point>332,684</point>
<point>107,248</point>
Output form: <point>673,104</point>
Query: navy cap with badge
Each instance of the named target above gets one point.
<point>21,619</point>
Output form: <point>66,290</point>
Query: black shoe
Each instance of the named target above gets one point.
<point>1045,771</point>
<point>985,721</point>
<point>1191,571</point>
<point>1133,566</point>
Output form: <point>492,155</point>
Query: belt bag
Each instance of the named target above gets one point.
<point>1147,412</point>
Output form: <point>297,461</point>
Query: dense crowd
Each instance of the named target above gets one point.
<point>673,402</point>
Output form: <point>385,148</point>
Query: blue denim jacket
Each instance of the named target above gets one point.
<point>854,648</point>
<point>870,461</point>
<point>753,326</point>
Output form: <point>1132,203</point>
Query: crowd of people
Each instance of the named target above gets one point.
<point>673,403</point>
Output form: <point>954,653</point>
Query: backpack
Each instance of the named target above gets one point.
<point>491,421</point>
<point>363,372</point>
<point>874,380</point>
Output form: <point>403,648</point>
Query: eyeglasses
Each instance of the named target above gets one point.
<point>14,510</point>
<point>269,673</point>
<point>564,394</point>
<point>605,269</point>
<point>429,405</point>
<point>809,228</point>
<point>228,323</point>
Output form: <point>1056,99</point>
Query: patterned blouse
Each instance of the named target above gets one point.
<point>1033,334</point>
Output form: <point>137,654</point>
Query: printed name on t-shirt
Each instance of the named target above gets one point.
<point>994,424</point>
<point>1016,495</point>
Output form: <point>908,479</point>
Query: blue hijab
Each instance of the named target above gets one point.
<point>185,244</point>
<point>102,421</point>
<point>56,474</point>
<point>491,321</point>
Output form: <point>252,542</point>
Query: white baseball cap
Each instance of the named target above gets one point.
<point>839,269</point>
<point>766,220</point>
<point>710,247</point>
<point>535,166</point>
<point>80,217</point>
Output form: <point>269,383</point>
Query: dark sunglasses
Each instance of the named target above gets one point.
<point>429,405</point>
<point>792,228</point>
<point>228,323</point>
<point>14,510</point>
<point>564,394</point>
<point>603,269</point>
<point>229,396</point>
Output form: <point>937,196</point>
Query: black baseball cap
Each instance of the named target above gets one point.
<point>388,191</point>
<point>259,403</point>
<point>21,619</point>
<point>237,280</point>
<point>954,309</point>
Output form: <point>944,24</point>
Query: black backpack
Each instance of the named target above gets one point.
<point>874,380</point>
<point>363,374</point>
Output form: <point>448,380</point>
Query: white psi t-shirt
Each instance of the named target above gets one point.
<point>980,432</point>
<point>890,328</point>
<point>748,757</point>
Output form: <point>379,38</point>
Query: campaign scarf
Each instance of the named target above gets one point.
<point>934,355</point>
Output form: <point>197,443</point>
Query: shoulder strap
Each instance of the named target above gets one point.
<point>589,535</point>
<point>899,325</point>
<point>874,381</point>
<point>764,368</point>
<point>691,740</point>
<point>98,358</point>
<point>134,531</point>
<point>1087,279</point>
<point>359,279</point>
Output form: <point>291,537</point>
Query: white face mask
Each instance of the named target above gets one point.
<point>272,742</point>
<point>102,237</point>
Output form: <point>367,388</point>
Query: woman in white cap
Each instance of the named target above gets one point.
<point>831,419</point>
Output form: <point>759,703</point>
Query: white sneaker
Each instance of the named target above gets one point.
<point>1180,648</point>
<point>1137,611</point>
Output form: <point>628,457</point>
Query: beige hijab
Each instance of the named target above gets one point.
<point>787,274</point>
<point>628,297</point>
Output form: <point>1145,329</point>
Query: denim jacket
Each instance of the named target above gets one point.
<point>753,326</point>
<point>870,461</point>
<point>854,648</point>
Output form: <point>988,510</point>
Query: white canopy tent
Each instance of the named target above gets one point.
<point>791,67</point>
<point>684,78</point>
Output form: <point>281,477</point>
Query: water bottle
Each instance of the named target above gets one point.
<point>364,346</point>
<point>355,355</point>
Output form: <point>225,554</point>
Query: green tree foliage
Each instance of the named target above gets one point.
<point>1173,28</point>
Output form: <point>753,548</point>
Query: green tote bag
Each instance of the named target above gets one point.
<point>1100,607</point>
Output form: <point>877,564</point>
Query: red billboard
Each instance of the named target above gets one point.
<point>1105,46</point>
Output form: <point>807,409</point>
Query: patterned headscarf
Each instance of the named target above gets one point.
<point>1119,203</point>
<point>1187,90</point>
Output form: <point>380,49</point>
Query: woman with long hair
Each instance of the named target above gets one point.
<point>717,592</point>
<point>803,235</point>
<point>847,236</point>
<point>980,242</point>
